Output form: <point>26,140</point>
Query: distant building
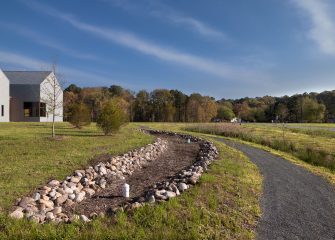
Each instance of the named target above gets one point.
<point>4,98</point>
<point>23,95</point>
<point>235,120</point>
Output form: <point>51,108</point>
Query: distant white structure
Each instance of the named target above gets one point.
<point>22,96</point>
<point>4,98</point>
<point>235,120</point>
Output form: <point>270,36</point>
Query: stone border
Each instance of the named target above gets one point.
<point>183,180</point>
<point>46,203</point>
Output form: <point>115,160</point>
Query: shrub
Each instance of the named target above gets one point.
<point>80,115</point>
<point>112,117</point>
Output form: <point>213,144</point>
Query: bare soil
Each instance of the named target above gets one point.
<point>177,157</point>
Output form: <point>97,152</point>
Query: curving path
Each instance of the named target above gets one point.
<point>296,204</point>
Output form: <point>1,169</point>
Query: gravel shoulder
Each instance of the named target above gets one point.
<point>296,204</point>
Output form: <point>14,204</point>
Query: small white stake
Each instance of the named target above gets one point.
<point>188,140</point>
<point>125,190</point>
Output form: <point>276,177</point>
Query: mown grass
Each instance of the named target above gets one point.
<point>28,157</point>
<point>316,150</point>
<point>224,205</point>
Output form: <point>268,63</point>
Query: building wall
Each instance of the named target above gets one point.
<point>21,93</point>
<point>46,91</point>
<point>4,97</point>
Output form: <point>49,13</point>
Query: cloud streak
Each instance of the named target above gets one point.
<point>42,40</point>
<point>164,53</point>
<point>322,28</point>
<point>15,61</point>
<point>168,14</point>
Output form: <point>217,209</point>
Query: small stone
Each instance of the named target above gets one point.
<point>182,187</point>
<point>75,179</point>
<point>57,210</point>
<point>103,171</point>
<point>193,180</point>
<point>17,214</point>
<point>49,216</point>
<point>26,201</point>
<point>72,196</point>
<point>47,203</point>
<point>151,199</point>
<point>170,194</point>
<point>62,199</point>
<point>52,194</point>
<point>53,183</point>
<point>84,218</point>
<point>36,196</point>
<point>80,197</point>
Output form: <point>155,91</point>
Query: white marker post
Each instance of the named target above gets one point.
<point>125,190</point>
<point>188,140</point>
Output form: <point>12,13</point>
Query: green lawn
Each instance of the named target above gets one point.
<point>28,157</point>
<point>224,205</point>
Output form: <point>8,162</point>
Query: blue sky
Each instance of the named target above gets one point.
<point>221,48</point>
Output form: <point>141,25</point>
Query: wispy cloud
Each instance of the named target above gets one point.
<point>131,41</point>
<point>163,12</point>
<point>45,41</point>
<point>322,23</point>
<point>14,61</point>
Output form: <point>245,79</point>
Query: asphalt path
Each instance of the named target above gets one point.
<point>296,204</point>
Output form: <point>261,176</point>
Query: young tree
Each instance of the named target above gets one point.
<point>52,96</point>
<point>80,115</point>
<point>112,117</point>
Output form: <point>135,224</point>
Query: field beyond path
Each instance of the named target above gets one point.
<point>296,204</point>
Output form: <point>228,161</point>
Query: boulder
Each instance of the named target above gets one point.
<point>62,199</point>
<point>80,197</point>
<point>47,203</point>
<point>53,183</point>
<point>17,214</point>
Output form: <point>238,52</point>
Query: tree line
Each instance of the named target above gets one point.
<point>162,105</point>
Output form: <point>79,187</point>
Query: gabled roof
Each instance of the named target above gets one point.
<point>27,77</point>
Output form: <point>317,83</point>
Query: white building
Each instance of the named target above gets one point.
<point>30,96</point>
<point>4,98</point>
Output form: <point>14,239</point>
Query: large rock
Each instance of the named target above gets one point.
<point>53,183</point>
<point>75,179</point>
<point>17,214</point>
<point>182,187</point>
<point>26,201</point>
<point>170,194</point>
<point>47,203</point>
<point>84,218</point>
<point>62,199</point>
<point>80,197</point>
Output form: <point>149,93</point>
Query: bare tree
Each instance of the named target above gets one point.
<point>52,96</point>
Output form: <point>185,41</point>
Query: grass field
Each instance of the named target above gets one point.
<point>316,148</point>
<point>224,205</point>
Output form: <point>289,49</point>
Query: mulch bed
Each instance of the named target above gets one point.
<point>177,157</point>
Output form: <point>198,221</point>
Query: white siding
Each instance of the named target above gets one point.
<point>4,97</point>
<point>45,92</point>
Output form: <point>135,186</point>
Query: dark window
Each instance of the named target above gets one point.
<point>2,110</point>
<point>43,110</point>
<point>31,109</point>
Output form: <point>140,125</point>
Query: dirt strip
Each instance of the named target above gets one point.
<point>178,156</point>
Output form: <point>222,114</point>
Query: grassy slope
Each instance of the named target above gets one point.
<point>223,206</point>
